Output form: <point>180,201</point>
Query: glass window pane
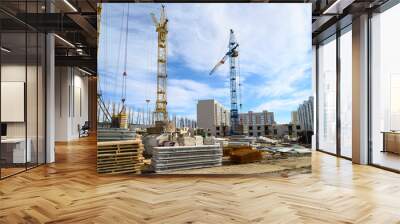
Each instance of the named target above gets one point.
<point>346,94</point>
<point>386,88</point>
<point>31,97</point>
<point>327,97</point>
<point>13,87</point>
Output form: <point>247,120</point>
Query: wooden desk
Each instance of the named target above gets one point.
<point>13,150</point>
<point>391,141</point>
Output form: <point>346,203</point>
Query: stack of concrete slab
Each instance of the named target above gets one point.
<point>166,159</point>
<point>115,134</point>
<point>242,138</point>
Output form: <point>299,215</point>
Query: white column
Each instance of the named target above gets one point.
<point>50,90</point>
<point>360,90</point>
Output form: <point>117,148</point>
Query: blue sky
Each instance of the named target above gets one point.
<point>275,55</point>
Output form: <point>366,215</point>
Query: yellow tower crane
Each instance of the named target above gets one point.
<point>160,113</point>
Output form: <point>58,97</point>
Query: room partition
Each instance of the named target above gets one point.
<point>22,77</point>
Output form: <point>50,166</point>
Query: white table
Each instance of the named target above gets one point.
<point>18,148</point>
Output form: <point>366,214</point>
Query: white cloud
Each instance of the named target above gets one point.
<point>284,104</point>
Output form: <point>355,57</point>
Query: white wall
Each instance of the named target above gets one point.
<point>205,114</point>
<point>210,114</point>
<point>16,73</point>
<point>33,127</point>
<point>71,102</point>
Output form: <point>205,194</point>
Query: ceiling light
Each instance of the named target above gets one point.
<point>70,5</point>
<point>5,50</point>
<point>84,71</point>
<point>65,41</point>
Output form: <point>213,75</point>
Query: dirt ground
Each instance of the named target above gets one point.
<point>266,166</point>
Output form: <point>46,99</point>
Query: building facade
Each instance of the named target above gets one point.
<point>251,119</point>
<point>294,117</point>
<point>213,117</point>
<point>273,130</point>
<point>305,114</point>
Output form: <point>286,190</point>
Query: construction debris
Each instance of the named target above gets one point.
<point>167,159</point>
<point>199,140</point>
<point>119,157</point>
<point>186,141</point>
<point>263,139</point>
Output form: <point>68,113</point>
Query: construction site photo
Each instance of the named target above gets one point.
<point>204,89</point>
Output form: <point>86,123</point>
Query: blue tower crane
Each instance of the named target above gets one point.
<point>232,54</point>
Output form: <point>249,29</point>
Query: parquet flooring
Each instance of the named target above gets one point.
<point>70,191</point>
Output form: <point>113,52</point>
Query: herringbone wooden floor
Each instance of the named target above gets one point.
<point>70,191</point>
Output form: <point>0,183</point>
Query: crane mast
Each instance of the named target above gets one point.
<point>232,54</point>
<point>234,116</point>
<point>160,113</point>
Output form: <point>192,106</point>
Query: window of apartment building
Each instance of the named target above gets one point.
<point>385,89</point>
<point>258,133</point>
<point>275,132</point>
<point>258,127</point>
<point>250,127</point>
<point>327,95</point>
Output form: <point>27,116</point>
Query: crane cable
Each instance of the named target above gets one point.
<point>119,54</point>
<point>123,97</point>
<point>105,50</point>
<point>240,86</point>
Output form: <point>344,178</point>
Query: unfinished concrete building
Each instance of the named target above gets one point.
<point>251,118</point>
<point>213,117</point>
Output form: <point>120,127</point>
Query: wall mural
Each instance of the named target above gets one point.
<point>205,88</point>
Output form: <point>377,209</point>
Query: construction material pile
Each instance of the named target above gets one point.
<point>168,139</point>
<point>262,139</point>
<point>114,134</point>
<point>119,156</point>
<point>167,159</point>
<point>245,155</point>
<point>280,152</point>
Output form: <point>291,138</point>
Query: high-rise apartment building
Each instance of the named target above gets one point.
<point>305,114</point>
